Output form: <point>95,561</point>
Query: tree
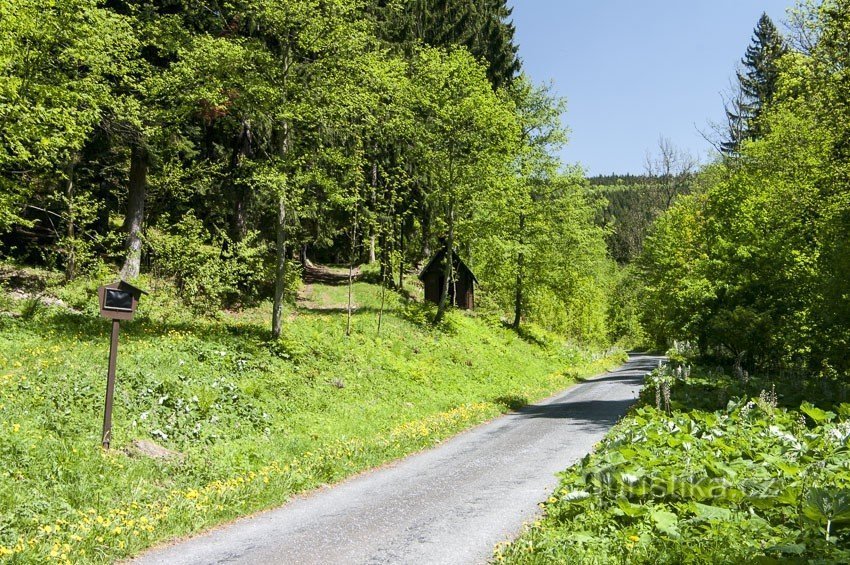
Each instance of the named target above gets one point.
<point>482,27</point>
<point>541,133</point>
<point>542,240</point>
<point>756,86</point>
<point>670,173</point>
<point>466,134</point>
<point>55,62</point>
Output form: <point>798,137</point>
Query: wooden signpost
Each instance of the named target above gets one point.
<point>118,301</point>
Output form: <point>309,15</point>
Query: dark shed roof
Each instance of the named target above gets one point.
<point>437,259</point>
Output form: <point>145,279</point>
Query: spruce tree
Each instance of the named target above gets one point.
<point>756,84</point>
<point>493,41</point>
<point>482,26</point>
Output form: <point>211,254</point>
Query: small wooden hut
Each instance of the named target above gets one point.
<point>461,291</point>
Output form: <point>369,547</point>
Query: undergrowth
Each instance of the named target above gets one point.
<point>705,477</point>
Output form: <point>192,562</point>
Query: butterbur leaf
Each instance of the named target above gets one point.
<point>703,490</point>
<point>666,522</point>
<point>818,415</point>
<point>827,505</point>
<point>707,512</point>
<point>629,509</point>
<point>575,495</point>
<point>789,469</point>
<point>788,548</point>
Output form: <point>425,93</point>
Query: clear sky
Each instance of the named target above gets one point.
<point>634,70</point>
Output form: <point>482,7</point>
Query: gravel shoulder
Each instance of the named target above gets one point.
<point>450,504</point>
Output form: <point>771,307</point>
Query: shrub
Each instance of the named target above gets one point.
<point>209,270</point>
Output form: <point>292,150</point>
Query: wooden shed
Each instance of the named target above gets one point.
<point>461,292</point>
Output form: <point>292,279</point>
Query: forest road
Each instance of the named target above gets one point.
<point>450,504</point>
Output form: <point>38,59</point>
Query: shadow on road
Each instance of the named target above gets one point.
<point>629,378</point>
<point>594,413</point>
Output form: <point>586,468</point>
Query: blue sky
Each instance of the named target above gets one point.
<point>632,71</point>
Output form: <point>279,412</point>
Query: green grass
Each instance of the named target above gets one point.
<point>255,422</point>
<point>718,479</point>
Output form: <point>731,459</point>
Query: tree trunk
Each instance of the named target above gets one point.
<point>280,249</point>
<point>447,270</point>
<point>374,199</point>
<point>71,244</point>
<point>401,257</point>
<point>518,296</point>
<point>426,232</point>
<point>243,148</point>
<point>280,271</point>
<point>383,294</point>
<point>520,263</point>
<point>351,272</point>
<point>302,257</point>
<point>135,217</point>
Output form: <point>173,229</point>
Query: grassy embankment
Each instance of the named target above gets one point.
<point>730,471</point>
<point>253,422</point>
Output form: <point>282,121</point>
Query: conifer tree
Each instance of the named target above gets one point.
<point>756,84</point>
<point>482,26</point>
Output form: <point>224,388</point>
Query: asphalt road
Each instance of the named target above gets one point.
<point>450,504</point>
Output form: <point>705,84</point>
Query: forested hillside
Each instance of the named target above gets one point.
<point>276,173</point>
<point>216,155</point>
<point>738,449</point>
<point>754,267</point>
<point>223,145</point>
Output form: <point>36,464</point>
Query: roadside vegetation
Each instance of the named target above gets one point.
<point>237,423</point>
<point>753,268</point>
<point>704,472</point>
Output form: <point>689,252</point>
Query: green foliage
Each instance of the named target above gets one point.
<point>748,482</point>
<point>748,268</point>
<point>55,60</point>
<point>31,307</point>
<point>254,421</point>
<point>625,309</point>
<point>210,273</point>
<point>55,56</point>
<point>544,238</point>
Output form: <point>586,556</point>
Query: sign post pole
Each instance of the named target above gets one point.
<point>106,437</point>
<point>118,302</point>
